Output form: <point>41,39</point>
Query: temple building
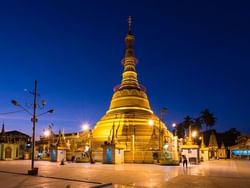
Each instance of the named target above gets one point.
<point>54,147</point>
<point>212,148</point>
<point>242,149</point>
<point>190,149</point>
<point>129,124</point>
<point>14,145</point>
<point>128,132</point>
<point>208,147</point>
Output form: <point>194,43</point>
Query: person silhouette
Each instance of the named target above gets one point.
<point>184,160</point>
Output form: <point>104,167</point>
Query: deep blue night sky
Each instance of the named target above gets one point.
<point>192,55</point>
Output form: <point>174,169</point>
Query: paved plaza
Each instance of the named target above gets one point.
<point>219,173</point>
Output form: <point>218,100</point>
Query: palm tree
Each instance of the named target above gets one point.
<point>180,130</point>
<point>188,121</point>
<point>208,118</point>
<point>197,124</point>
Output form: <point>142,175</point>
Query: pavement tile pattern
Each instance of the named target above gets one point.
<point>211,174</point>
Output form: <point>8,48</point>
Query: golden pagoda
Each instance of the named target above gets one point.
<point>129,123</point>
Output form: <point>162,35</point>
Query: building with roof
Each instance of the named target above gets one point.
<point>14,145</point>
<point>242,149</point>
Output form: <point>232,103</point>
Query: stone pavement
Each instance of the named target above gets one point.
<point>219,173</point>
<point>25,181</point>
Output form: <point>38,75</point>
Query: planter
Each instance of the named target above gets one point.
<point>33,172</point>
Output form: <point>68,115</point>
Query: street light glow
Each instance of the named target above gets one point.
<point>85,126</point>
<point>46,133</point>
<point>174,125</point>
<point>194,134</point>
<point>86,149</point>
<point>151,122</point>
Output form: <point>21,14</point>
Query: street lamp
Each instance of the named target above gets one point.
<point>174,125</point>
<point>175,129</point>
<point>151,123</point>
<point>86,127</point>
<point>162,112</point>
<point>46,133</point>
<point>194,134</point>
<point>33,171</point>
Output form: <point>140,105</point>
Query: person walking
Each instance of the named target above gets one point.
<point>184,160</point>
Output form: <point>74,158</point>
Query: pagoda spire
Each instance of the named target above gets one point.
<point>129,76</point>
<point>129,40</point>
<point>189,139</point>
<point>61,140</point>
<point>129,24</point>
<point>202,142</point>
<point>129,94</point>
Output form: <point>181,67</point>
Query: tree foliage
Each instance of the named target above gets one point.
<point>207,118</point>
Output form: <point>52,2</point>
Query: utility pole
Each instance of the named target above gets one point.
<point>34,126</point>
<point>33,171</point>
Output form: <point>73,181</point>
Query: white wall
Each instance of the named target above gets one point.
<point>61,155</point>
<point>190,153</point>
<point>119,156</point>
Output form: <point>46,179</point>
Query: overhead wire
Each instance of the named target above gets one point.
<point>13,112</point>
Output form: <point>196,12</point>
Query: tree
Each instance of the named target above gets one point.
<point>188,121</point>
<point>180,131</point>
<point>208,119</point>
<point>197,124</point>
<point>242,139</point>
<point>230,137</point>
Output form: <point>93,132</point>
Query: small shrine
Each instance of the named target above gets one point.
<point>112,154</point>
<point>190,150</point>
<point>58,152</point>
<point>212,150</point>
<point>203,151</point>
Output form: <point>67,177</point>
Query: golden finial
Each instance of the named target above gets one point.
<point>129,23</point>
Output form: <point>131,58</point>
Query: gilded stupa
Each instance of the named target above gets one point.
<point>130,122</point>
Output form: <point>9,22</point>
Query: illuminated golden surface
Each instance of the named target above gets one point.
<point>126,121</point>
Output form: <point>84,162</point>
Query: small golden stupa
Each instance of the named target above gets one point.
<point>130,123</point>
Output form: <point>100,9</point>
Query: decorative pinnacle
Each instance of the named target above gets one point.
<point>129,23</point>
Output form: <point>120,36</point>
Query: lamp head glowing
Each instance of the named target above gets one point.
<point>46,133</point>
<point>174,125</point>
<point>151,122</point>
<point>85,126</point>
<point>194,134</point>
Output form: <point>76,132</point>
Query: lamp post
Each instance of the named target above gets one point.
<point>33,171</point>
<point>49,137</point>
<point>162,112</point>
<point>86,127</point>
<point>174,126</point>
<point>194,134</point>
<point>151,123</point>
